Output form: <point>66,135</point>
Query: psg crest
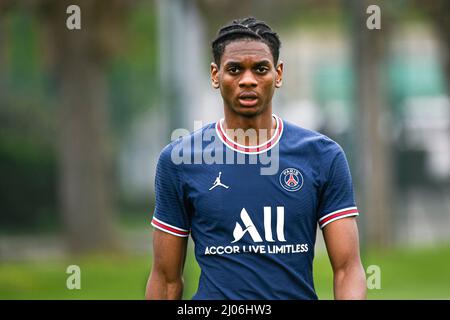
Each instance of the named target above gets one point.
<point>291,179</point>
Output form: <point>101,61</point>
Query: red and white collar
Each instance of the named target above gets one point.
<point>269,144</point>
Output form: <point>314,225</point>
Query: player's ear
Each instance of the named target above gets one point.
<point>279,77</point>
<point>215,75</point>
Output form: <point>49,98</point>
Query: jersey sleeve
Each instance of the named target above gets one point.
<point>171,214</point>
<point>337,198</point>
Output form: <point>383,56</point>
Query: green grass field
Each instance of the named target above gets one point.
<point>405,274</point>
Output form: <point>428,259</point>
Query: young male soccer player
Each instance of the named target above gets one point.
<point>254,231</point>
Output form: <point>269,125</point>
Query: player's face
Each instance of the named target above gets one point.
<point>247,77</point>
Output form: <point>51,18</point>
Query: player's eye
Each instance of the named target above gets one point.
<point>262,69</point>
<point>233,69</point>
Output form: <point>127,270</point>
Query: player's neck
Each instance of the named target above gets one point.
<point>264,125</point>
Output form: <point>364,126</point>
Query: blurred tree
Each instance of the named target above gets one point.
<point>439,14</point>
<point>374,149</point>
<point>2,54</point>
<point>27,168</point>
<point>283,13</point>
<point>27,155</point>
<point>80,58</point>
<point>30,80</point>
<point>4,7</point>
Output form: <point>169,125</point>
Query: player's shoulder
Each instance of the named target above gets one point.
<point>183,142</point>
<point>302,138</point>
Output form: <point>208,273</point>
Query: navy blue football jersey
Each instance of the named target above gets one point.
<point>253,212</point>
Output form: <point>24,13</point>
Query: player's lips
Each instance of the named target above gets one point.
<point>248,99</point>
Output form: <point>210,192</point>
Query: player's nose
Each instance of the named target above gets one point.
<point>248,79</point>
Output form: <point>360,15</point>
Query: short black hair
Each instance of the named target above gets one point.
<point>245,28</point>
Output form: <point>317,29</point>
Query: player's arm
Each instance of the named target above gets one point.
<point>342,242</point>
<point>166,278</point>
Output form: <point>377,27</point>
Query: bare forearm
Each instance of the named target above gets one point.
<point>350,283</point>
<point>159,288</point>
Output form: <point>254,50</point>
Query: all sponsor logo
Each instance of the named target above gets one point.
<point>246,228</point>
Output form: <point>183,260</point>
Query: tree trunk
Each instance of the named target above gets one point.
<point>85,166</point>
<point>373,134</point>
<point>84,138</point>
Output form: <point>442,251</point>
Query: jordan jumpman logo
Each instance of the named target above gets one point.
<point>218,183</point>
